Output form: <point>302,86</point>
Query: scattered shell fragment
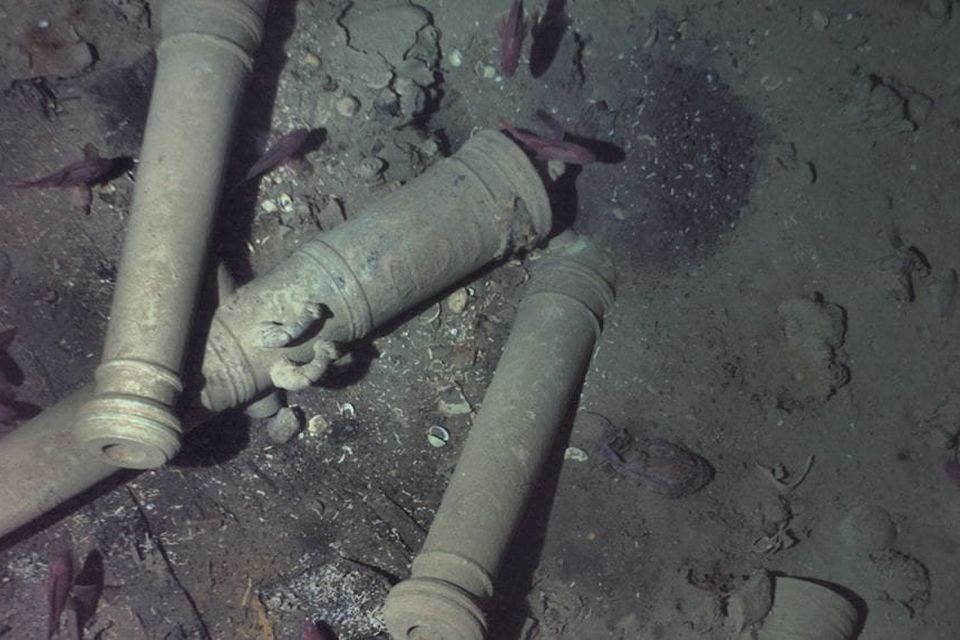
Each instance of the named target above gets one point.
<point>457,301</point>
<point>430,315</point>
<point>285,202</point>
<point>438,436</point>
<point>268,206</point>
<point>819,20</point>
<point>318,426</point>
<point>455,58</point>
<point>576,454</point>
<point>312,59</point>
<point>348,106</point>
<point>346,410</point>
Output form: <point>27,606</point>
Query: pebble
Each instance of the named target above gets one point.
<point>285,425</point>
<point>369,169</point>
<point>311,59</point>
<point>348,106</point>
<point>268,206</point>
<point>455,58</point>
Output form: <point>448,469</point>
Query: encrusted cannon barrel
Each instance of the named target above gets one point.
<point>535,383</point>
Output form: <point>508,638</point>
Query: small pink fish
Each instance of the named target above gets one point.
<point>511,30</point>
<point>568,152</point>
<point>282,150</point>
<point>82,173</point>
<point>59,584</point>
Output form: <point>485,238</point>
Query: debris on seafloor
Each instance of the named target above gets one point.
<point>663,467</point>
<point>511,29</point>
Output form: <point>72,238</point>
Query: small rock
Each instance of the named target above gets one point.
<point>268,206</point>
<point>370,169</point>
<point>487,72</point>
<point>457,301</point>
<point>819,20</point>
<point>285,425</point>
<point>452,402</point>
<point>576,454</point>
<point>318,426</point>
<point>311,59</point>
<point>455,58</point>
<point>348,106</point>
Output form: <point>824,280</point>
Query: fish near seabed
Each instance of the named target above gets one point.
<point>59,584</point>
<point>568,152</point>
<point>511,29</point>
<point>288,146</point>
<point>82,173</point>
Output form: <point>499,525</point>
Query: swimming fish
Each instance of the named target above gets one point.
<point>282,150</point>
<point>82,173</point>
<point>59,584</point>
<point>511,29</point>
<point>569,152</point>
